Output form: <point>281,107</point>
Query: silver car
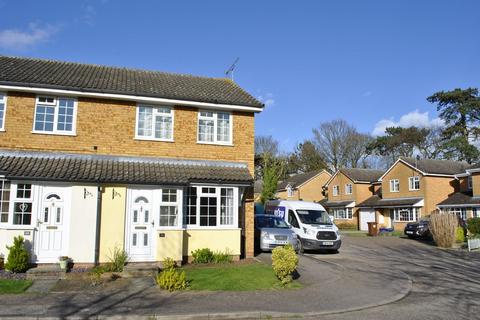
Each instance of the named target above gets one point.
<point>272,231</point>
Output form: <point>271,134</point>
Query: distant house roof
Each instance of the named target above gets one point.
<point>60,75</point>
<point>337,204</point>
<point>49,166</point>
<point>359,175</point>
<point>377,202</point>
<point>430,166</point>
<point>460,199</point>
<point>297,180</point>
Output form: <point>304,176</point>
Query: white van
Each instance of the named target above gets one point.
<point>310,221</point>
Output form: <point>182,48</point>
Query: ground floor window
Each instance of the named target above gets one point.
<point>22,204</point>
<point>476,212</point>
<point>211,206</point>
<point>342,213</point>
<point>459,212</point>
<point>405,214</point>
<point>168,208</point>
<point>4,200</point>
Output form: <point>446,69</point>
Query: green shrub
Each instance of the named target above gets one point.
<point>473,226</point>
<point>443,227</point>
<point>169,263</point>
<point>222,257</point>
<point>284,263</point>
<point>204,255</point>
<point>459,235</point>
<point>117,260</point>
<point>170,278</point>
<point>18,256</point>
<point>96,275</point>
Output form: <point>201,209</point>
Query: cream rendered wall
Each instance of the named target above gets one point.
<point>215,239</point>
<point>83,218</point>
<point>112,230</point>
<point>170,245</point>
<point>6,239</point>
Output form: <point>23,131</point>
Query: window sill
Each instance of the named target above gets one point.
<point>153,139</point>
<point>2,130</point>
<point>160,229</point>
<point>413,190</point>
<point>216,144</point>
<point>16,227</point>
<point>224,228</point>
<point>394,191</point>
<point>73,134</point>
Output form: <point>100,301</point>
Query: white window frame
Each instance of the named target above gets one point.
<point>335,190</point>
<point>215,127</point>
<point>290,191</point>
<point>459,212</point>
<point>347,213</point>
<point>54,104</point>
<point>394,183</point>
<point>5,200</point>
<point>13,198</point>
<point>412,181</point>
<point>348,188</point>
<point>154,114</point>
<point>4,101</point>
<point>233,225</point>
<point>413,213</point>
<point>178,204</point>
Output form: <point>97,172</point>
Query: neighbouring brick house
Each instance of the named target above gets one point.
<point>305,186</point>
<point>465,203</point>
<point>412,188</point>
<point>95,157</point>
<point>347,188</point>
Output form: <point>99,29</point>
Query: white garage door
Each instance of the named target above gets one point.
<point>366,215</point>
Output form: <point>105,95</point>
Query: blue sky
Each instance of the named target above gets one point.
<point>372,63</point>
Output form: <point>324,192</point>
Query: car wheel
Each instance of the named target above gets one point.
<point>300,249</point>
<point>410,237</point>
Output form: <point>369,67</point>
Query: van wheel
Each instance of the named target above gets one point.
<point>301,250</point>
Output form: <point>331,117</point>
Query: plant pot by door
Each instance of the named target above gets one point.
<point>63,264</point>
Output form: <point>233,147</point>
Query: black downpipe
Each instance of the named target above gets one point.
<point>97,232</point>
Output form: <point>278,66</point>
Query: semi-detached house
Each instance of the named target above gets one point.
<point>94,158</point>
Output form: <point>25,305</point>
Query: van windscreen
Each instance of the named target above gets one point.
<point>314,217</point>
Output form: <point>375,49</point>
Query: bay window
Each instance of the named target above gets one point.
<point>342,213</point>
<point>55,115</point>
<point>155,123</point>
<point>207,206</point>
<point>405,214</point>
<point>459,212</point>
<point>169,208</point>
<point>214,127</point>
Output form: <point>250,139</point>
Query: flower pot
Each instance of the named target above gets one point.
<point>63,264</point>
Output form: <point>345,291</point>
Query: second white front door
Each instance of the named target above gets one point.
<point>140,223</point>
<point>366,215</point>
<point>52,224</point>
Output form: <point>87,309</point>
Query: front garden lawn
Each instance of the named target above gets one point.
<point>14,286</point>
<point>231,277</point>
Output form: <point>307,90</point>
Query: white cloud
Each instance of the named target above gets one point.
<point>414,118</point>
<point>267,99</point>
<point>89,14</point>
<point>19,40</point>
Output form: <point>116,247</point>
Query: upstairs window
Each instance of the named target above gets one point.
<point>155,123</point>
<point>336,190</point>
<point>214,127</point>
<point>55,115</point>
<point>290,191</point>
<point>348,188</point>
<point>414,183</point>
<point>394,185</point>
<point>3,103</point>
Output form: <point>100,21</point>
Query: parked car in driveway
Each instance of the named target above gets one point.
<point>418,230</point>
<point>272,231</point>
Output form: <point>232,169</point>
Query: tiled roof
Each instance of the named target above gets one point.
<point>297,180</point>
<point>362,175</point>
<point>104,79</point>
<point>430,166</point>
<point>460,199</point>
<point>336,204</point>
<point>377,202</point>
<point>112,169</point>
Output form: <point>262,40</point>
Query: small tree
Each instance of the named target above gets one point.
<point>272,170</point>
<point>18,256</point>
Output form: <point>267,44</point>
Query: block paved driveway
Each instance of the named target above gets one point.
<point>446,283</point>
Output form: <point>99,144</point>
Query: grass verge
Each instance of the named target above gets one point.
<point>14,286</point>
<point>250,277</point>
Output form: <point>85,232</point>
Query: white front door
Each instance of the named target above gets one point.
<point>52,221</point>
<point>366,215</point>
<point>140,226</point>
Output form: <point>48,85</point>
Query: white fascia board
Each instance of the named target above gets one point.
<point>126,97</point>
<point>350,205</point>
<point>473,170</point>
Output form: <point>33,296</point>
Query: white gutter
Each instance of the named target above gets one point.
<point>126,97</point>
